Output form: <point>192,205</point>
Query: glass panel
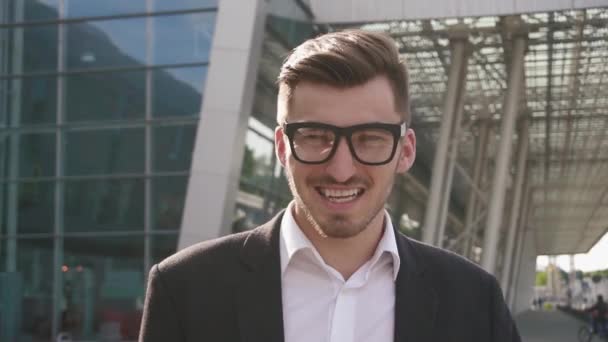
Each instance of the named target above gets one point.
<point>106,96</point>
<point>261,190</point>
<point>103,287</point>
<point>105,151</point>
<point>173,147</point>
<point>183,38</point>
<point>37,155</point>
<point>258,160</point>
<point>38,99</point>
<point>35,207</point>
<point>104,205</point>
<point>88,8</point>
<point>106,43</point>
<point>291,31</point>
<point>162,246</point>
<point>40,42</point>
<point>168,196</point>
<point>41,9</point>
<point>3,247</point>
<point>178,91</point>
<point>33,288</point>
<point>163,5</point>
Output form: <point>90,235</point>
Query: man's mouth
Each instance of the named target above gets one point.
<point>340,195</point>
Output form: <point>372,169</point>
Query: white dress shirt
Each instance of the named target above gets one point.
<point>320,306</point>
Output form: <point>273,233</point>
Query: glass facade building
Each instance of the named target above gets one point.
<point>99,104</point>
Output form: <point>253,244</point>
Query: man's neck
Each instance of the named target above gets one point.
<point>346,255</point>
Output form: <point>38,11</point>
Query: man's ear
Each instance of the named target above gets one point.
<point>407,152</point>
<point>280,146</point>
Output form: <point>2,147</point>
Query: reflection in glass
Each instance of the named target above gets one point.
<point>106,43</point>
<point>162,246</point>
<point>173,147</point>
<point>38,99</point>
<point>89,8</point>
<point>104,205</point>
<point>37,155</point>
<point>35,207</point>
<point>183,38</point>
<point>103,287</point>
<point>178,91</point>
<point>119,150</point>
<point>105,96</point>
<point>168,196</point>
<point>3,247</point>
<point>174,5</point>
<point>41,10</point>
<point>39,41</point>
<point>35,270</point>
<point>262,187</point>
<point>258,159</point>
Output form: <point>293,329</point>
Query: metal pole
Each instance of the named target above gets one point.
<point>480,156</point>
<point>497,198</point>
<point>15,141</point>
<point>518,187</point>
<point>431,218</point>
<point>147,264</point>
<point>452,155</point>
<point>523,221</point>
<point>58,225</point>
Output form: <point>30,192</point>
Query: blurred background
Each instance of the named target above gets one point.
<point>132,129</point>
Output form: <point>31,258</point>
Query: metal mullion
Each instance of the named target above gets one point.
<point>13,189</point>
<point>148,138</point>
<point>96,177</point>
<point>65,21</point>
<point>98,233</point>
<point>4,141</point>
<point>102,70</point>
<point>59,184</point>
<point>92,125</point>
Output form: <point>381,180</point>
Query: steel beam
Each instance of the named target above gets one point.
<point>497,198</point>
<point>522,152</point>
<point>522,230</point>
<point>453,155</point>
<point>433,210</point>
<point>472,203</point>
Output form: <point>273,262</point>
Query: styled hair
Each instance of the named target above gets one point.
<point>344,59</point>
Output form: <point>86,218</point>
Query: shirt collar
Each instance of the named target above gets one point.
<point>292,240</point>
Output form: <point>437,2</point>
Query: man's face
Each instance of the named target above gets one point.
<point>341,197</point>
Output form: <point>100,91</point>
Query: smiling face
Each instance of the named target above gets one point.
<point>342,197</point>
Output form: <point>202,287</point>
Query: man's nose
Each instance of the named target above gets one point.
<point>342,165</point>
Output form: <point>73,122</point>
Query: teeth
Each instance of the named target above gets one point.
<point>340,196</point>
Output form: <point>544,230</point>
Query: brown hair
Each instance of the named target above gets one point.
<point>344,59</point>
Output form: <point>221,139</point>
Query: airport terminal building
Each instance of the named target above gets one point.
<point>132,129</point>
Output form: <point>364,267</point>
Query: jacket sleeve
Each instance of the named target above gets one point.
<point>160,320</point>
<point>503,326</point>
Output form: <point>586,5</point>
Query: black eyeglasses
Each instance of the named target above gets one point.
<point>370,144</point>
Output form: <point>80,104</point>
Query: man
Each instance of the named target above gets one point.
<point>598,314</point>
<point>331,267</point>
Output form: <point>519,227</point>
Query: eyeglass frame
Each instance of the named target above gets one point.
<point>398,131</point>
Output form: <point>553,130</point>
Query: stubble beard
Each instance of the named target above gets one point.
<point>337,226</point>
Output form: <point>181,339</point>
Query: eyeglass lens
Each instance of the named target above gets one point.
<point>371,145</point>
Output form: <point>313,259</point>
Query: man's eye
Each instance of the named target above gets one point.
<point>372,139</point>
<point>314,135</point>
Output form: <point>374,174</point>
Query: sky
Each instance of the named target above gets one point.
<point>596,259</point>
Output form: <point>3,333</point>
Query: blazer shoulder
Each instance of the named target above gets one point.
<point>219,252</point>
<point>442,261</point>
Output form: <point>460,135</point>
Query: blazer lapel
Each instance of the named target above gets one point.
<point>416,302</point>
<point>259,298</point>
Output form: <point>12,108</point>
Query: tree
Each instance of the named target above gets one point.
<point>541,278</point>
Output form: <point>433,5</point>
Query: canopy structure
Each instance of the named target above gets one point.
<point>564,103</point>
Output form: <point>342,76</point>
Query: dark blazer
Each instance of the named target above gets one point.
<point>229,289</point>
